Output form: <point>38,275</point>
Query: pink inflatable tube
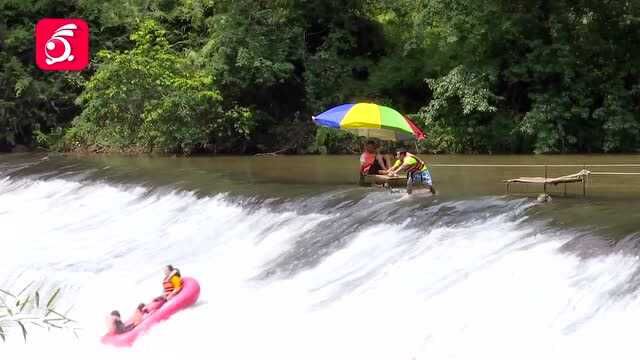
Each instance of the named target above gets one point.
<point>185,298</point>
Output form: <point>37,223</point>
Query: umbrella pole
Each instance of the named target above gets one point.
<point>389,154</point>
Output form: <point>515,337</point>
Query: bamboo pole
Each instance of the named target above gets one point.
<point>545,179</point>
<point>533,165</point>
<point>584,182</point>
<point>612,173</point>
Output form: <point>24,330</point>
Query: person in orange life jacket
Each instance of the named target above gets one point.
<point>417,170</point>
<point>371,162</point>
<point>171,284</point>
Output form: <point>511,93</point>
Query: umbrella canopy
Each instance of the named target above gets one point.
<point>370,120</point>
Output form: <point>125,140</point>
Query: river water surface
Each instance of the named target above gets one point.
<point>297,262</point>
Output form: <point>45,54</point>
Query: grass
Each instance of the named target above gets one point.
<point>27,309</point>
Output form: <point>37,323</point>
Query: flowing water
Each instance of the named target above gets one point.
<point>297,262</point>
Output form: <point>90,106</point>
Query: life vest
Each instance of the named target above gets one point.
<point>418,166</point>
<point>168,285</point>
<point>366,161</point>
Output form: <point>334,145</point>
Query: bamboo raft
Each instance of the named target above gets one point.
<point>392,181</point>
<point>567,179</point>
<point>579,177</point>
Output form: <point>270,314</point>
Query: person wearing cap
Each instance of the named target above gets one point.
<point>417,170</point>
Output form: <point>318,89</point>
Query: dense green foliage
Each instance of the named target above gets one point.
<point>152,98</point>
<point>245,76</point>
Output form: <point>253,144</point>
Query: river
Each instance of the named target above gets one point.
<point>298,262</point>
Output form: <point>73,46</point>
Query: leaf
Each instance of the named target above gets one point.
<point>51,324</point>
<point>37,299</point>
<point>35,323</point>
<point>24,330</point>
<point>2,336</point>
<point>51,311</point>
<point>7,293</point>
<point>25,289</point>
<point>53,298</point>
<point>24,303</point>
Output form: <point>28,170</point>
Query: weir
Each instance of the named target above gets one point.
<point>313,271</point>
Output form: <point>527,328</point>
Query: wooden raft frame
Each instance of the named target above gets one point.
<point>578,177</point>
<point>392,181</point>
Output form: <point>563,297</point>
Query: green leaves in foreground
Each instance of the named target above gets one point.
<point>25,309</point>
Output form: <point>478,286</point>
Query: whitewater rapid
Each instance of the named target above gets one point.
<point>327,277</point>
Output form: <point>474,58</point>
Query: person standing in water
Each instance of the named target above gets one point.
<point>417,170</point>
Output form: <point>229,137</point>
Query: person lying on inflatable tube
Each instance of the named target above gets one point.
<point>172,284</point>
<point>117,326</point>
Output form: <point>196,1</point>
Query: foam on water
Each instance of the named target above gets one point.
<point>495,286</point>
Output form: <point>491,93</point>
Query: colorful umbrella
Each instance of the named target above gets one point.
<point>370,120</point>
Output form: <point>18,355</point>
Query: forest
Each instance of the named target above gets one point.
<point>245,76</point>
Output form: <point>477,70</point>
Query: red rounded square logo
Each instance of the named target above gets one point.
<point>62,44</point>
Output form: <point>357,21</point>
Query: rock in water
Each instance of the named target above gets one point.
<point>544,198</point>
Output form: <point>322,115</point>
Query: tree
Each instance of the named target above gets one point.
<point>245,76</point>
<point>151,98</point>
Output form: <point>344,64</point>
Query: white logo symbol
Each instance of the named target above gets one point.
<point>60,35</point>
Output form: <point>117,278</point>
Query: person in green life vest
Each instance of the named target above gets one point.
<point>417,170</point>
